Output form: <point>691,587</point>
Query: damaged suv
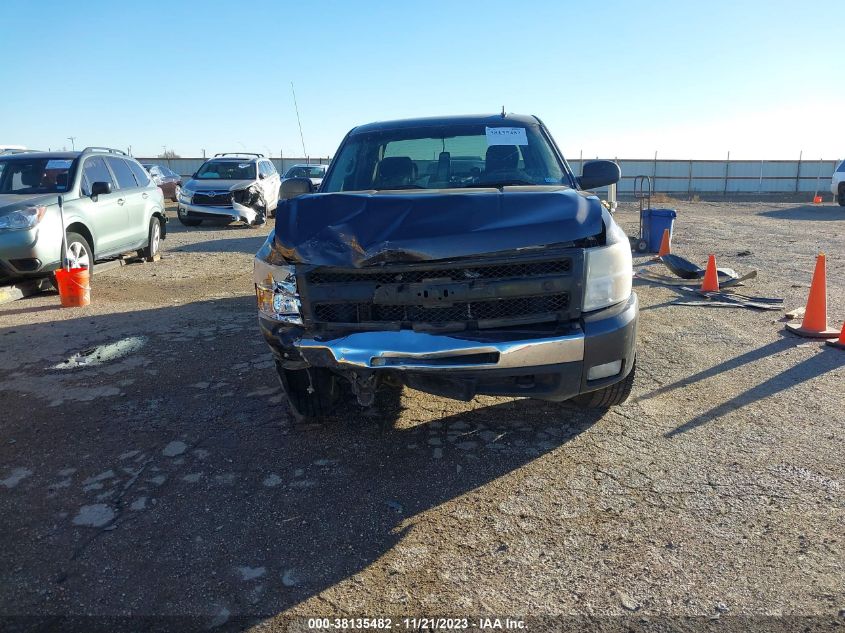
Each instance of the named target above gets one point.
<point>231,186</point>
<point>457,256</point>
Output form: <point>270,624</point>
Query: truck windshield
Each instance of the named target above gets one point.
<point>34,175</point>
<point>445,157</point>
<point>226,170</point>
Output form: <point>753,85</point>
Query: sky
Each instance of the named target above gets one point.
<point>758,79</point>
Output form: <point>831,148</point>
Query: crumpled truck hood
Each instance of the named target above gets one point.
<point>366,228</point>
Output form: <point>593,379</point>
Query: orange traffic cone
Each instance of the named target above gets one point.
<point>814,324</point>
<point>841,342</point>
<point>817,199</point>
<point>711,277</point>
<point>665,246</point>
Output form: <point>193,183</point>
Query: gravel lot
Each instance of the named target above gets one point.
<point>170,481</point>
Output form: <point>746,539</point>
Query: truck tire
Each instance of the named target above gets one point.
<point>610,396</point>
<point>840,198</point>
<point>312,393</point>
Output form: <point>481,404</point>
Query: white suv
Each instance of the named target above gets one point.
<point>837,184</point>
<point>231,186</point>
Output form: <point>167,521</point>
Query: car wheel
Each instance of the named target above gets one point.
<point>153,241</point>
<point>841,198</point>
<point>79,252</point>
<point>610,396</point>
<point>312,393</point>
<point>190,221</point>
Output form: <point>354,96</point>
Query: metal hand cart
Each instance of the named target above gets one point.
<point>643,191</point>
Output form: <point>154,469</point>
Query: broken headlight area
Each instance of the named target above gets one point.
<point>609,271</point>
<point>276,292</point>
<point>250,199</point>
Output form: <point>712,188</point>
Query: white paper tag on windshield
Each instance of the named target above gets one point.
<point>506,136</point>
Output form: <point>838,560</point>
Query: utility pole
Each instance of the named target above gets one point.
<point>72,143</point>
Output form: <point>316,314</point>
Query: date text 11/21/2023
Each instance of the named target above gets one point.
<point>416,624</point>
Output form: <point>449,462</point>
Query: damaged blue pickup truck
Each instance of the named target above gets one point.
<point>457,256</point>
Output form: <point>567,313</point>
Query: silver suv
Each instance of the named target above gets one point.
<point>315,173</point>
<point>231,186</point>
<point>110,206</point>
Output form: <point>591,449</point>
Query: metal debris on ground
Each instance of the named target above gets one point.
<point>736,299</point>
<point>666,280</point>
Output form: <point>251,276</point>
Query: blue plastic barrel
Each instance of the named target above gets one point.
<point>655,221</point>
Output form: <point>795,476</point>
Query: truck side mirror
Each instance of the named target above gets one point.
<point>599,173</point>
<point>293,187</point>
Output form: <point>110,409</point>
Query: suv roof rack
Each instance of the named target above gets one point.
<point>92,149</point>
<point>239,154</point>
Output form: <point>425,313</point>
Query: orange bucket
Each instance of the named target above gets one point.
<point>74,287</point>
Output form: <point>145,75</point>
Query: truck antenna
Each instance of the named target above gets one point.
<point>296,107</point>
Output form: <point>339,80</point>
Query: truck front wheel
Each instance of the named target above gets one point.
<point>609,396</point>
<point>312,393</point>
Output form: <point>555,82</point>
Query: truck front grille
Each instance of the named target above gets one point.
<point>496,271</point>
<point>543,308</point>
<point>491,293</point>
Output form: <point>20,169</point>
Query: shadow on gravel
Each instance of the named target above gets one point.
<point>807,212</point>
<point>786,341</point>
<point>7,311</point>
<point>228,245</point>
<point>215,506</point>
<point>802,372</point>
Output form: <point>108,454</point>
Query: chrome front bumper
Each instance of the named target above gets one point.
<point>462,365</point>
<point>407,350</point>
